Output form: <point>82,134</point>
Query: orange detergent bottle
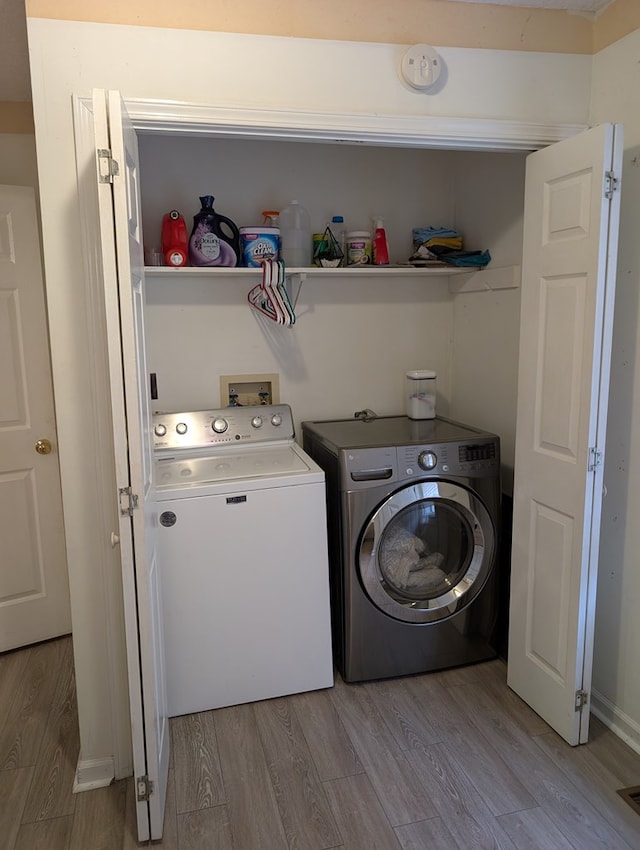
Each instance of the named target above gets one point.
<point>175,241</point>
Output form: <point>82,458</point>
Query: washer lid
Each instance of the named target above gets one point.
<point>176,472</point>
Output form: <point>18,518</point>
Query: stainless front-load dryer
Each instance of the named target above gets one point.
<point>413,514</point>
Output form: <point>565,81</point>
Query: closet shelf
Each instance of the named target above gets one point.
<point>311,271</point>
<point>466,279</point>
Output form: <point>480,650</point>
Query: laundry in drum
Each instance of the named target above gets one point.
<point>439,246</point>
<point>407,564</point>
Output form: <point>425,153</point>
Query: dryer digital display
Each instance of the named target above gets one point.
<point>476,451</point>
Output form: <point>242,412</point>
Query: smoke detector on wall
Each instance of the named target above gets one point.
<point>420,67</point>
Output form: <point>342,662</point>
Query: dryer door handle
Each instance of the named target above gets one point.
<point>372,474</point>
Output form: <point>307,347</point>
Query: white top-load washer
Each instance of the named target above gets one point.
<point>243,558</point>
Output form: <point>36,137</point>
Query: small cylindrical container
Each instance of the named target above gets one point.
<point>258,244</point>
<point>420,386</point>
<point>358,245</point>
<point>317,242</point>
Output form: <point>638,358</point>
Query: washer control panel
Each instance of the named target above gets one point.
<point>197,429</point>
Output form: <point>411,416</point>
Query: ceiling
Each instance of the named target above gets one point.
<point>15,84</point>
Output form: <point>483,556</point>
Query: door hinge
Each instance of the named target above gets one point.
<point>581,699</point>
<point>144,788</point>
<point>108,167</point>
<point>611,184</point>
<point>595,458</point>
<point>128,501</point>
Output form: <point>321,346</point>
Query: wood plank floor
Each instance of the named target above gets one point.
<point>435,762</point>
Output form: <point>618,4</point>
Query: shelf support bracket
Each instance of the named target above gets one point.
<point>295,279</point>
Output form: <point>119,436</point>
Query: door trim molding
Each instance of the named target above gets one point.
<point>428,131</point>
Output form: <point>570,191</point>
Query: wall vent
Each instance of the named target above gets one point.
<point>631,796</point>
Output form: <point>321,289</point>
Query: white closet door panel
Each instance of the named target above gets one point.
<point>569,257</point>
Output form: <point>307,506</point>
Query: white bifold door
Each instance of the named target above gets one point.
<point>572,207</point>
<point>109,180</point>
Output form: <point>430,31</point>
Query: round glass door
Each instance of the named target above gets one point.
<point>426,551</point>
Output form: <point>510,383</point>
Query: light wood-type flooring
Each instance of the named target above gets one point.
<point>439,761</point>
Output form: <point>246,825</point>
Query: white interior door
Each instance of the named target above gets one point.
<point>119,206</point>
<point>569,267</point>
<point>34,585</point>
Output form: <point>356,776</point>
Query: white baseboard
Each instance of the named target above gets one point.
<point>93,773</point>
<point>619,723</point>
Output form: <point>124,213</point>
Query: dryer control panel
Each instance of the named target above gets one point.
<point>365,467</point>
<point>472,459</point>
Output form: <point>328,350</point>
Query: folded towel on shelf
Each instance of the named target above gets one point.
<point>424,235</point>
<point>472,259</point>
<point>435,245</point>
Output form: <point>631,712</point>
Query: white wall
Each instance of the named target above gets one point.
<point>297,73</point>
<point>615,676</point>
<point>18,160</point>
<point>486,331</point>
<point>355,337</point>
<point>367,332</point>
<point>407,187</point>
<point>70,57</point>
<point>351,345</point>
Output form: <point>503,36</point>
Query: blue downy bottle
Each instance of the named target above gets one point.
<point>215,239</point>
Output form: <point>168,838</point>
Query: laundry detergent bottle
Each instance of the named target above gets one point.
<point>174,239</point>
<point>215,239</point>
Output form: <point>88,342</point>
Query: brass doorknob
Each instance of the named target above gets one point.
<point>43,447</point>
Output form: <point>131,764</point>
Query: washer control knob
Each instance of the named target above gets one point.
<point>256,422</point>
<point>219,425</point>
<point>181,427</point>
<point>427,460</point>
<point>160,430</point>
<point>276,419</point>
